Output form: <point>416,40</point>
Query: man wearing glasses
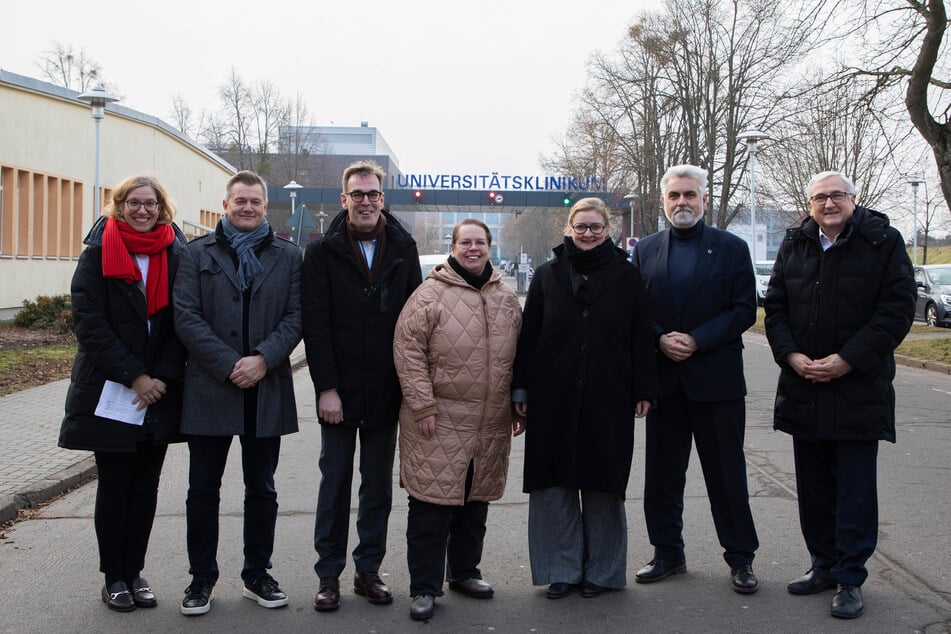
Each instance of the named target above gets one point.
<point>354,283</point>
<point>840,300</point>
<point>702,285</point>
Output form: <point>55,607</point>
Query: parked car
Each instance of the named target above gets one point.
<point>428,262</point>
<point>934,294</point>
<point>763,269</point>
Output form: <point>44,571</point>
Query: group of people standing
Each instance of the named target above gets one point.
<point>199,336</point>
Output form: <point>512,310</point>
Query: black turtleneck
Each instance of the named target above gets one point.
<point>682,260</point>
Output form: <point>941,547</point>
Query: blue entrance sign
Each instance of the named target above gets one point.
<point>498,181</point>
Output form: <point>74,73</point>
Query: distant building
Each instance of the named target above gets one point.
<point>47,175</point>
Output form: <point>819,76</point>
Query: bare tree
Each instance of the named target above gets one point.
<point>683,84</point>
<point>71,68</point>
<point>182,114</point>
<point>236,110</point>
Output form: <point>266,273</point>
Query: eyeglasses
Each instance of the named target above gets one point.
<point>581,228</point>
<point>357,196</point>
<point>837,197</point>
<point>150,205</point>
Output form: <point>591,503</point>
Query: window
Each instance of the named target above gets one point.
<point>40,215</point>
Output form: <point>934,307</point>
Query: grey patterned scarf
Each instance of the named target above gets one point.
<point>245,243</point>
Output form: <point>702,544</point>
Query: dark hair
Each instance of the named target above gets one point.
<point>245,177</point>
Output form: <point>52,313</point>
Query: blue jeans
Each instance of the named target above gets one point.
<point>207,458</point>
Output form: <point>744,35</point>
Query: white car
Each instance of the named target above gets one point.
<point>763,270</point>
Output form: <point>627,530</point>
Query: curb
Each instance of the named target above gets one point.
<point>55,484</point>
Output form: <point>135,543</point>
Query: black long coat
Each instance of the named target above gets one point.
<point>115,343</point>
<point>585,361</point>
<point>856,299</point>
<point>349,323</point>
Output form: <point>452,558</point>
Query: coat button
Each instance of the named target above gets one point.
<point>585,313</point>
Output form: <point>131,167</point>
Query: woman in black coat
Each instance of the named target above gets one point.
<point>122,313</point>
<point>584,369</point>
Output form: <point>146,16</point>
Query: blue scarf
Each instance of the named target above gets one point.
<point>245,243</point>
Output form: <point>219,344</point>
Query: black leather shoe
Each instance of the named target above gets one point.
<point>560,590</point>
<point>423,607</point>
<point>117,596</point>
<point>266,591</point>
<point>847,602</point>
<point>475,588</point>
<point>743,579</point>
<point>659,569</point>
<point>328,596</point>
<point>369,585</point>
<point>142,594</point>
<point>590,590</point>
<point>813,582</point>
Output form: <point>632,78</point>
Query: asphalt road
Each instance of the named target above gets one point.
<point>49,580</point>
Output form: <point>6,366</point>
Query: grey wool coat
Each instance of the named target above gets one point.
<point>210,321</point>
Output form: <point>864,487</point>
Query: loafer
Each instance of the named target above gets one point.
<point>369,585</point>
<point>142,594</point>
<point>659,569</point>
<point>847,602</point>
<point>422,607</point>
<point>266,591</point>
<point>813,582</point>
<point>328,596</point>
<point>197,599</point>
<point>117,596</point>
<point>590,590</point>
<point>743,580</point>
<point>475,588</point>
<point>559,590</point>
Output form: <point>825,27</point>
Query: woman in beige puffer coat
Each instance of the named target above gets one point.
<point>454,348</point>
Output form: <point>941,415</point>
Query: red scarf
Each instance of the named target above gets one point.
<point>119,241</point>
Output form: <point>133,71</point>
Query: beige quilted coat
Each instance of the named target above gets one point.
<point>454,348</point>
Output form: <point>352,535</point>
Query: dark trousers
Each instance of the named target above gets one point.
<point>206,464</point>
<point>126,495</point>
<point>718,429</point>
<point>438,536</point>
<point>838,504</point>
<point>332,525</point>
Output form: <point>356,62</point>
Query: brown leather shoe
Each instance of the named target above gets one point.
<point>369,585</point>
<point>328,597</point>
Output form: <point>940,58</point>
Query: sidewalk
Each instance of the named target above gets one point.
<point>33,469</point>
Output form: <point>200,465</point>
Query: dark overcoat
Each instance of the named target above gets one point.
<point>116,343</point>
<point>856,299</point>
<point>720,306</point>
<point>349,322</point>
<point>210,321</point>
<point>585,362</point>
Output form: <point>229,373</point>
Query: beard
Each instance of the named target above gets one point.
<point>683,218</point>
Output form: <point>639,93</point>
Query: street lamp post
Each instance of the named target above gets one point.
<point>914,181</point>
<point>630,201</point>
<point>292,187</point>
<point>322,215</point>
<point>97,98</point>
<point>751,138</point>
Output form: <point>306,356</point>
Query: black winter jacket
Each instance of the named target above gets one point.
<point>856,299</point>
<point>349,323</point>
<point>115,343</point>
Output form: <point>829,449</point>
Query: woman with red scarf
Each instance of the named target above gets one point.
<point>122,315</point>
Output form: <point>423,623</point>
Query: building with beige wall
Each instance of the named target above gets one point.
<point>47,165</point>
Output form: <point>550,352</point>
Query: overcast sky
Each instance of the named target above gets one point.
<point>469,87</point>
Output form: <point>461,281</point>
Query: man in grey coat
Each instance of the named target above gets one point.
<point>237,310</point>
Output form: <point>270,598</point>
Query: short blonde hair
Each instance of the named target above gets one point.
<point>588,204</point>
<point>362,167</point>
<point>121,191</point>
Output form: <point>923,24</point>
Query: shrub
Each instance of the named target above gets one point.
<point>46,313</point>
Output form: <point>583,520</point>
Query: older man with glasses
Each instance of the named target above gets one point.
<point>354,283</point>
<point>840,300</point>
